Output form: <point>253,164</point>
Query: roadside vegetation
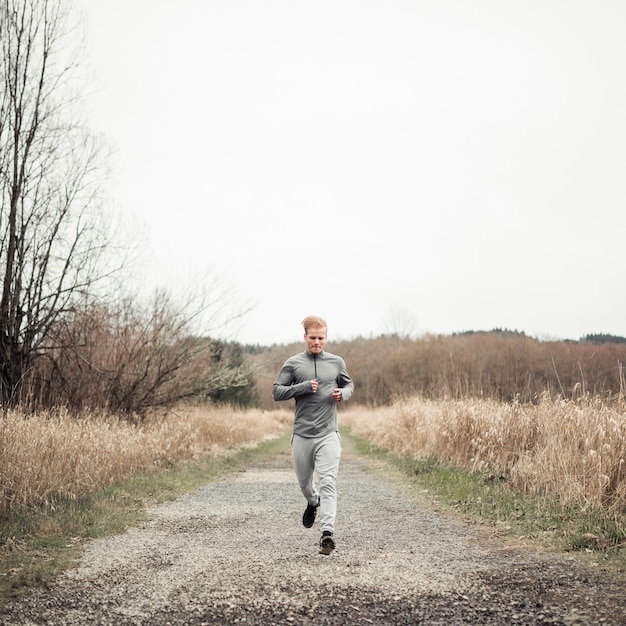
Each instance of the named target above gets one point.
<point>53,456</point>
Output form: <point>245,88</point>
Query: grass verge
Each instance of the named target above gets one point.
<point>489,501</point>
<point>37,544</point>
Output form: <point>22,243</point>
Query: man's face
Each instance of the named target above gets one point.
<point>315,339</point>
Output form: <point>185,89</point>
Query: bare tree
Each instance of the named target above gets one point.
<point>52,233</point>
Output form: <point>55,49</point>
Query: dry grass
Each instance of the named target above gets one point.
<point>51,456</point>
<point>573,451</point>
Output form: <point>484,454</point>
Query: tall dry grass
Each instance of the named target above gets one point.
<point>52,455</point>
<point>572,450</point>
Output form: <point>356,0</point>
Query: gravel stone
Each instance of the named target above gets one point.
<point>235,552</point>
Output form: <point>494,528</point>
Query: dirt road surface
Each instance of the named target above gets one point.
<point>235,552</point>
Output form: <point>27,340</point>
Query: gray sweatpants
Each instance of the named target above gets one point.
<point>321,454</point>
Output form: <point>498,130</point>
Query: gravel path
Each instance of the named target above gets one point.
<point>235,552</point>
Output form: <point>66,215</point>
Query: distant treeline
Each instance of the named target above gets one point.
<point>604,339</point>
<point>498,364</point>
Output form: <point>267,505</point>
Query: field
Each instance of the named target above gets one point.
<point>572,451</point>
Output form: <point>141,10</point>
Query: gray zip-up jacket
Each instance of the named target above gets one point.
<point>316,413</point>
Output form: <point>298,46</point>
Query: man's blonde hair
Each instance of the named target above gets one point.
<point>313,321</point>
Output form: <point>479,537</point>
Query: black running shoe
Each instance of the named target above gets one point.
<point>327,543</point>
<point>309,515</point>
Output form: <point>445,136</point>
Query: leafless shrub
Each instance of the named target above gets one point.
<point>127,358</point>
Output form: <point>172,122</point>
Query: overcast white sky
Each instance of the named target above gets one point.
<point>460,163</point>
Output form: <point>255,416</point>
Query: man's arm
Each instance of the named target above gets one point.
<point>284,388</point>
<point>344,382</point>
